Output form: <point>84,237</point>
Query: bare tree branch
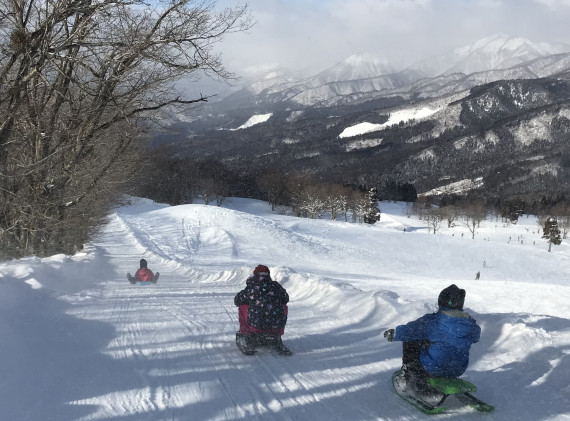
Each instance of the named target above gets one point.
<point>79,81</point>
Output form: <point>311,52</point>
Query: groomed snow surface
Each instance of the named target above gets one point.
<point>80,343</point>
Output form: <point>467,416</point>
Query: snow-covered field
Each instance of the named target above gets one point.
<point>395,118</point>
<point>78,342</point>
<point>255,119</point>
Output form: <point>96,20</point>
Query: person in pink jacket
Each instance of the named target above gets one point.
<point>144,275</point>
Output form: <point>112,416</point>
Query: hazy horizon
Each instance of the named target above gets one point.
<point>315,35</point>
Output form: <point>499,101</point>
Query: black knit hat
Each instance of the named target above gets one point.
<point>451,297</point>
<point>143,263</point>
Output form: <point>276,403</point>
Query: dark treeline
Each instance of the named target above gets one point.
<point>181,180</point>
<point>176,180</point>
<point>513,205</point>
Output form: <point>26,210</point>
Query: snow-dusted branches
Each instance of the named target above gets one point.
<point>78,82</point>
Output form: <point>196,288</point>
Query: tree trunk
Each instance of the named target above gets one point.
<point>80,80</point>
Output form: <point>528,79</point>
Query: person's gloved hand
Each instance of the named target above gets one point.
<point>389,335</point>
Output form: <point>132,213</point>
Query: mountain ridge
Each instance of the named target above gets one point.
<point>487,118</point>
<point>495,52</point>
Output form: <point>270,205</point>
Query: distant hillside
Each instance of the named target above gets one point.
<point>504,126</point>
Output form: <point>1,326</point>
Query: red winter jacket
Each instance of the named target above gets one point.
<point>144,275</point>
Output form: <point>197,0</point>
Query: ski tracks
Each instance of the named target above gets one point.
<point>176,346</point>
<point>137,346</point>
<point>174,357</point>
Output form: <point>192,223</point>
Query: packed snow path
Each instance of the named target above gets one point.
<point>174,357</point>
<point>98,348</point>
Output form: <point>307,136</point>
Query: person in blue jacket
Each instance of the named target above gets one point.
<point>438,344</point>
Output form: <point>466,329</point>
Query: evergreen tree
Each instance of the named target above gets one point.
<point>409,193</point>
<point>552,232</point>
<point>372,214</point>
<point>512,210</point>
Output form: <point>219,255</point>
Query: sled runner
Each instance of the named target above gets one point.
<point>248,344</point>
<point>440,389</point>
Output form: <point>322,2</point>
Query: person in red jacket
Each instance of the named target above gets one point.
<point>144,274</point>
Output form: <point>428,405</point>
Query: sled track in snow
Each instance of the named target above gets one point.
<point>152,252</point>
<point>175,344</point>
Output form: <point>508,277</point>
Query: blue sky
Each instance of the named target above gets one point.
<point>320,33</point>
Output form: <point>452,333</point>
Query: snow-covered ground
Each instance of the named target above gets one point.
<point>395,118</point>
<point>255,119</point>
<point>80,343</point>
<point>457,187</point>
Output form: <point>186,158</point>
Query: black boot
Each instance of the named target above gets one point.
<point>281,348</point>
<point>275,342</point>
<point>245,344</point>
<point>413,376</point>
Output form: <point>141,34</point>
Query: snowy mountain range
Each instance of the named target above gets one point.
<point>365,76</point>
<point>491,53</point>
<point>500,101</point>
<point>355,67</point>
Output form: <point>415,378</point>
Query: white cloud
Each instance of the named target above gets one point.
<point>318,34</point>
<point>554,4</point>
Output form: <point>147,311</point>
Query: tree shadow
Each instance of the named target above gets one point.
<point>343,373</point>
<point>533,387</point>
<point>47,356</point>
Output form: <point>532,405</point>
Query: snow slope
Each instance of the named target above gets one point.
<point>255,119</point>
<point>80,343</point>
<point>394,118</point>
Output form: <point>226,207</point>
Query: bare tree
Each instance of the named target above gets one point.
<point>420,206</point>
<point>564,225</point>
<point>434,218</point>
<point>272,181</point>
<point>296,186</point>
<point>473,212</point>
<point>334,199</point>
<point>313,202</point>
<point>562,212</point>
<point>79,81</point>
<point>344,201</point>
<point>358,205</point>
<point>450,213</point>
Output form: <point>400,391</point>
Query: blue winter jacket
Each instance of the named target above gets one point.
<point>450,334</point>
